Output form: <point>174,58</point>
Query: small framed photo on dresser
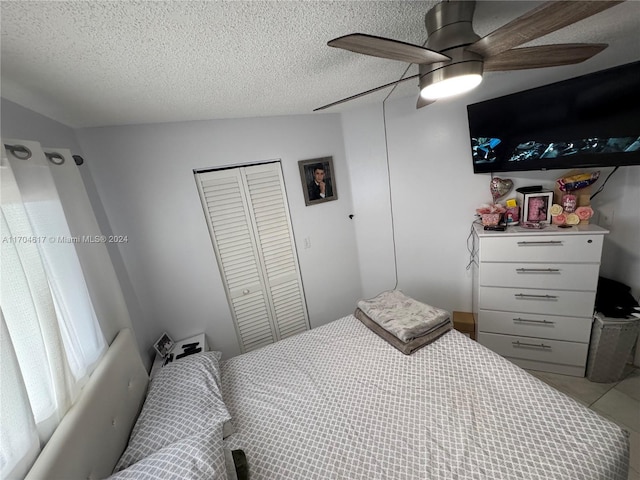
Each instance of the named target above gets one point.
<point>536,207</point>
<point>164,345</point>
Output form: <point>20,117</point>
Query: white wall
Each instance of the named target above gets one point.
<point>24,124</point>
<point>620,201</point>
<point>144,176</point>
<point>367,164</point>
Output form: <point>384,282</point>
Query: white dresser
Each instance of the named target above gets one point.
<point>534,293</point>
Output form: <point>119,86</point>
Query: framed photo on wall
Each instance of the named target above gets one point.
<point>318,180</point>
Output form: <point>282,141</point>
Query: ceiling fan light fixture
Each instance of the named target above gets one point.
<point>453,58</point>
<point>451,86</point>
<point>451,80</point>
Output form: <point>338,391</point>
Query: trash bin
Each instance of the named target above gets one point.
<point>612,340</point>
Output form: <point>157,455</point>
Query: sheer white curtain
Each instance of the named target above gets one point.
<point>51,338</point>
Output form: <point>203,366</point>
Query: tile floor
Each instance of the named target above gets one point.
<point>617,401</point>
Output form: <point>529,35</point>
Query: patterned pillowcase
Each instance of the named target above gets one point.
<point>196,457</point>
<point>184,398</point>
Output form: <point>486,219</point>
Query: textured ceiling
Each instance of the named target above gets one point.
<point>102,63</point>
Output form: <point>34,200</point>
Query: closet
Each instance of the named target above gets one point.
<point>248,218</point>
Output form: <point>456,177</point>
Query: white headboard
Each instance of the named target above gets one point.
<point>94,433</point>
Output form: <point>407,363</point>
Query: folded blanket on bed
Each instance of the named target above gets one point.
<point>405,347</point>
<point>403,316</point>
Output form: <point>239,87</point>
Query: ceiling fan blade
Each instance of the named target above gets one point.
<point>366,93</point>
<point>423,102</point>
<point>387,48</point>
<point>546,18</point>
<point>542,56</point>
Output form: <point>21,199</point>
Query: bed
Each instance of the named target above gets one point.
<point>338,402</point>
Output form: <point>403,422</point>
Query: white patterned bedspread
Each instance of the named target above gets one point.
<point>338,402</point>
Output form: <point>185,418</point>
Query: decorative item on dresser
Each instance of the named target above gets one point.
<point>535,206</point>
<point>534,294</point>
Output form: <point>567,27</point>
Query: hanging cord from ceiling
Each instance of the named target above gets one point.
<point>604,183</point>
<point>393,229</point>
<point>386,147</point>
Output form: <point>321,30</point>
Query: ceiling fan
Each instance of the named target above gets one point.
<point>454,57</point>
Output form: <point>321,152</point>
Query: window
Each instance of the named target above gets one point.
<point>51,339</point>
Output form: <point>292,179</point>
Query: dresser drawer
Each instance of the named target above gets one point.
<point>539,350</point>
<point>542,301</point>
<point>574,329</point>
<point>564,276</point>
<point>542,248</point>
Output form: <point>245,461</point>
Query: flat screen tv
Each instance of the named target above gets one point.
<point>588,121</point>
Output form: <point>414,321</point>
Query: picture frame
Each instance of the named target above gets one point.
<point>164,345</point>
<point>536,207</point>
<point>313,170</point>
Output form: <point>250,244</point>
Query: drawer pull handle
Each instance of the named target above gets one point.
<point>528,295</point>
<point>546,322</point>
<point>534,345</point>
<point>548,242</point>
<point>537,270</point>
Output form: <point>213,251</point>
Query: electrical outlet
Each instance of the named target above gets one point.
<point>606,217</point>
<point>307,242</point>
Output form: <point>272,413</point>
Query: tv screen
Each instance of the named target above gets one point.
<point>588,121</point>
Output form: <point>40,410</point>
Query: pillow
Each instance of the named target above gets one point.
<point>200,456</point>
<point>184,398</point>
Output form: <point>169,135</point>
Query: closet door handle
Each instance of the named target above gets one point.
<point>537,270</point>
<point>547,242</point>
<point>528,295</point>
<point>519,344</point>
<point>246,291</point>
<point>527,320</point>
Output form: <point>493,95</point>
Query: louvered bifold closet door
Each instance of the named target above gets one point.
<point>246,209</point>
<point>224,200</point>
<point>277,248</point>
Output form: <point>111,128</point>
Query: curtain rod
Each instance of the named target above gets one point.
<point>23,153</point>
